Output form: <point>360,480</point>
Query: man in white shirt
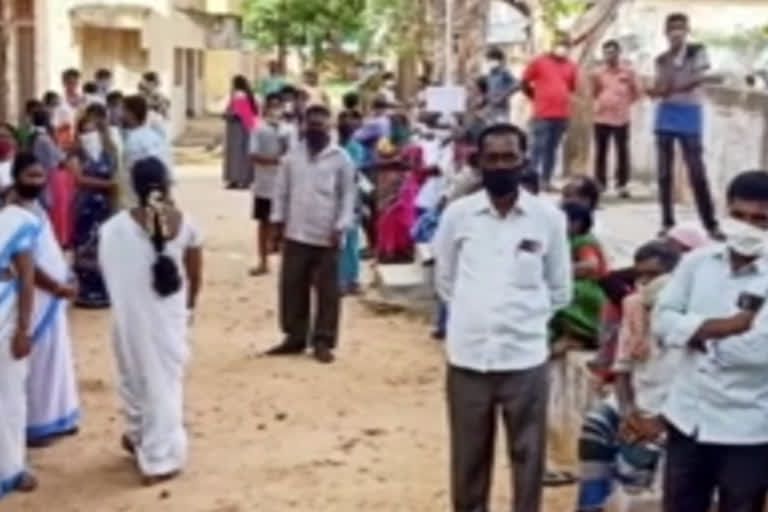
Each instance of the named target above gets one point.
<point>140,141</point>
<point>717,407</point>
<point>313,206</point>
<point>503,268</point>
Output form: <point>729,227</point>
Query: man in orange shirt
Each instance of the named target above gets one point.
<point>615,89</point>
<point>549,81</point>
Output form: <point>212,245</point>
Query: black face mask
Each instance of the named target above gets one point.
<point>345,132</point>
<point>28,191</point>
<point>501,182</point>
<point>316,138</point>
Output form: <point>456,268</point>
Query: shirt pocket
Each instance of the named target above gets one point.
<point>325,185</point>
<point>528,270</point>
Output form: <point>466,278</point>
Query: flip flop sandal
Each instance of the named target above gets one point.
<point>558,478</point>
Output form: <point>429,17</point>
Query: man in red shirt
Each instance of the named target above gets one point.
<point>549,81</point>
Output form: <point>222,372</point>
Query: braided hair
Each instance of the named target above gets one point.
<point>150,181</point>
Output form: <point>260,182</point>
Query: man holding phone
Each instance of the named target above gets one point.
<point>717,407</point>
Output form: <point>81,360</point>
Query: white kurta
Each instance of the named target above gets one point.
<point>53,403</point>
<point>150,341</point>
<point>17,231</point>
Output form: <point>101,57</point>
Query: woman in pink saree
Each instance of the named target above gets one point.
<point>398,182</point>
<point>241,118</point>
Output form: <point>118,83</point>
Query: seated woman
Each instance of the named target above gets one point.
<point>586,191</point>
<point>399,176</point>
<point>620,283</point>
<point>619,438</point>
<point>577,325</point>
<point>616,285</point>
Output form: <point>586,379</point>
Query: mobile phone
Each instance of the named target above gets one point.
<point>750,302</point>
<point>528,245</point>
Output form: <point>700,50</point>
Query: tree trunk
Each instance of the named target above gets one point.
<point>4,89</point>
<point>413,50</point>
<point>470,25</point>
<point>282,51</point>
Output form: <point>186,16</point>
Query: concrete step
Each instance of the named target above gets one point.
<point>424,255</point>
<point>399,276</point>
<point>402,286</point>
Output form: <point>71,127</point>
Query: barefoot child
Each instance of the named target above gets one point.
<point>577,325</point>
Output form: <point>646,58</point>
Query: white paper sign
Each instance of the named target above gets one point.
<point>446,99</point>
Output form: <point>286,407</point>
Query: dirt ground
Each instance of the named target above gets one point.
<point>368,433</point>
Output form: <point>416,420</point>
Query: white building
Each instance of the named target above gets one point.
<point>193,45</point>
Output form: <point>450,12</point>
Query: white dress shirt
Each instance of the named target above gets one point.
<point>315,195</point>
<point>6,180</point>
<point>503,278</point>
<point>139,143</point>
<point>720,396</point>
<point>146,141</point>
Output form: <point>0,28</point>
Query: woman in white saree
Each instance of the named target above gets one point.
<point>151,259</point>
<point>17,233</point>
<point>53,406</point>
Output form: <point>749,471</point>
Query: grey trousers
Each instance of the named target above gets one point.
<point>306,268</point>
<point>474,402</point>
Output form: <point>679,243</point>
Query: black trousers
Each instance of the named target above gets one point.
<point>694,471</point>
<point>604,133</point>
<point>475,402</point>
<point>306,267</point>
<point>697,176</point>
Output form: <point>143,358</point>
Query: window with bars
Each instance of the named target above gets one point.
<point>23,10</point>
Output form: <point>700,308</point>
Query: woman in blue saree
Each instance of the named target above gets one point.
<point>95,167</point>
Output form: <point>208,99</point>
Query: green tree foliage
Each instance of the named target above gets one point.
<point>389,24</point>
<point>313,23</point>
<point>554,12</point>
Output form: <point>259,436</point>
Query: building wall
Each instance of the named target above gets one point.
<point>128,41</point>
<point>227,7</point>
<point>166,37</point>
<point>220,67</point>
<point>735,137</point>
<point>56,49</point>
<point>640,22</point>
<point>117,49</point>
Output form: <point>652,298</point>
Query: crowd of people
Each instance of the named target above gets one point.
<point>87,218</point>
<point>521,279</point>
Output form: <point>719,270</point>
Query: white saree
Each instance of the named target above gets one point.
<point>53,404</point>
<point>150,341</point>
<point>18,229</point>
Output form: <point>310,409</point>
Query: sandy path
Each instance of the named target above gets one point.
<point>367,433</point>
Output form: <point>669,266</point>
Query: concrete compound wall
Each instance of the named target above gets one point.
<point>735,137</point>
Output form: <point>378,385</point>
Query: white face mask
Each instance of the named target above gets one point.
<point>745,239</point>
<point>91,144</point>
